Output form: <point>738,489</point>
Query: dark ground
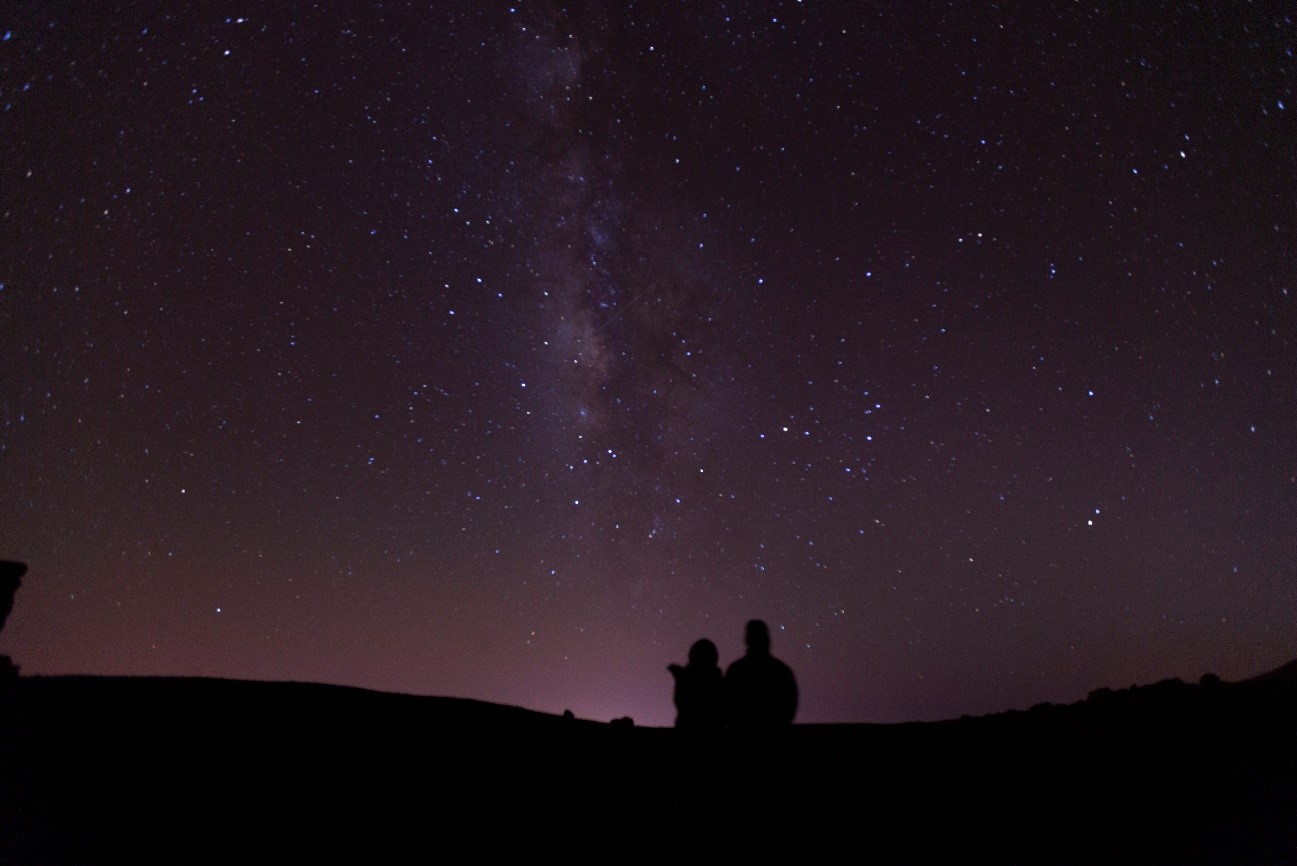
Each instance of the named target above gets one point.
<point>189,770</point>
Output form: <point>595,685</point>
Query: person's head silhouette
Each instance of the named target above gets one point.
<point>703,654</point>
<point>757,637</point>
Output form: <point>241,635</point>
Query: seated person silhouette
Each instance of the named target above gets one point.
<point>699,696</point>
<point>760,690</point>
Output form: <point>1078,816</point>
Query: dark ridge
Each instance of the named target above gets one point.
<point>1284,676</point>
<point>101,769</point>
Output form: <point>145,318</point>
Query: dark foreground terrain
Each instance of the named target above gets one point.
<point>190,770</point>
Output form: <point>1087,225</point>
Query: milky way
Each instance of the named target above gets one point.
<point>502,350</point>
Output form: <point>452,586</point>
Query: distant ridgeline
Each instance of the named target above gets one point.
<point>1276,689</point>
<point>177,770</point>
<point>136,769</point>
<point>152,769</point>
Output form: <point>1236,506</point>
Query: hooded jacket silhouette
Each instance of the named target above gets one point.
<point>699,695</point>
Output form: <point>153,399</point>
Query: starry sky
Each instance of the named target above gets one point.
<point>503,349</point>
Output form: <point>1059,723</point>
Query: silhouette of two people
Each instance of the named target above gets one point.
<point>757,693</point>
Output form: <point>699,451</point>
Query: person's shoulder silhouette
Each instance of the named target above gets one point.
<point>760,690</point>
<point>10,579</point>
<point>699,696</point>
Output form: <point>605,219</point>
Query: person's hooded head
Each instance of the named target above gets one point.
<point>703,654</point>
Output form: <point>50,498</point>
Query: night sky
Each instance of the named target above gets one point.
<point>502,350</point>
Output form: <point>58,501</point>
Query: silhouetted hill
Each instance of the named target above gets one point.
<point>1284,677</point>
<point>196,770</point>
